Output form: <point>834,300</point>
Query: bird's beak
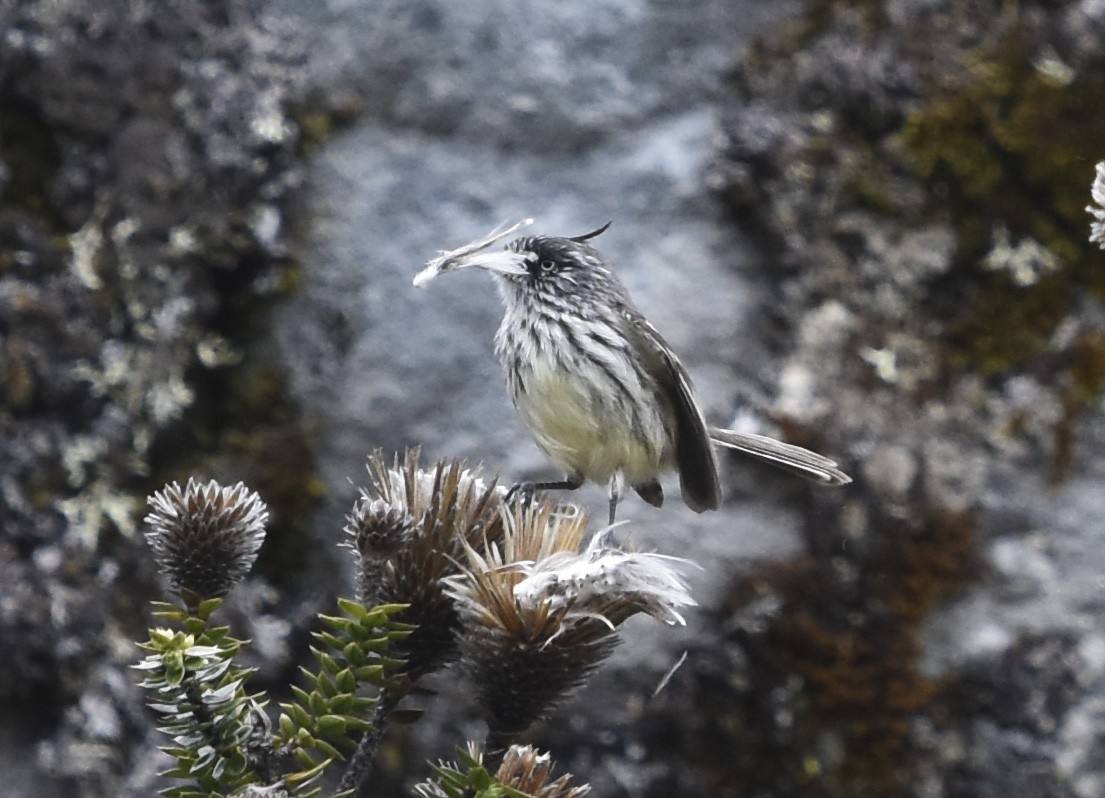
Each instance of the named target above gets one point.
<point>503,262</point>
<point>475,254</point>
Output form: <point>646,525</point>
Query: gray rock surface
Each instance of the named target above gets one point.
<point>935,630</point>
<point>146,155</point>
<point>890,292</point>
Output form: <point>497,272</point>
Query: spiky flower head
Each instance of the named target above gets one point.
<point>523,771</point>
<point>377,531</point>
<point>205,537</point>
<point>1097,190</point>
<point>539,615</point>
<point>411,527</point>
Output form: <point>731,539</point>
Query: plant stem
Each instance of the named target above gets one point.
<point>495,747</point>
<point>360,764</point>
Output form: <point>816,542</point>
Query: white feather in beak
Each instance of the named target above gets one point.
<point>472,254</point>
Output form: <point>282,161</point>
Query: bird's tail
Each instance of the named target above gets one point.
<point>795,459</point>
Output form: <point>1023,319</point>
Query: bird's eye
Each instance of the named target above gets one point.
<point>547,265</point>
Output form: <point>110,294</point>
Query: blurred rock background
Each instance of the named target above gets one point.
<point>861,224</point>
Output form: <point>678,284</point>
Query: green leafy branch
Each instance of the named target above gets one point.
<point>322,721</point>
<point>468,778</point>
<point>201,698</point>
<point>410,541</point>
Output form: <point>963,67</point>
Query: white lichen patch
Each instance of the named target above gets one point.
<point>214,350</point>
<point>86,512</point>
<point>1026,262</point>
<point>84,246</point>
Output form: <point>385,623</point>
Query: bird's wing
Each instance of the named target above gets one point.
<point>694,454</point>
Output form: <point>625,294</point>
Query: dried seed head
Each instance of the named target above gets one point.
<point>443,509</point>
<point>613,583</point>
<point>527,770</point>
<point>205,537</point>
<point>452,501</point>
<point>523,659</point>
<point>524,771</point>
<point>539,616</point>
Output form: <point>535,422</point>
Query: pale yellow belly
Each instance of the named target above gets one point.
<point>592,433</point>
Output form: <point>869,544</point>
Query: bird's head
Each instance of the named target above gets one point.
<point>531,265</point>
<point>557,265</point>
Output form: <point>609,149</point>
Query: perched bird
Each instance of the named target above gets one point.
<point>603,394</point>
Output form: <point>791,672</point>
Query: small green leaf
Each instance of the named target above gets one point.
<point>376,645</point>
<point>305,760</point>
<point>361,705</point>
<point>334,622</point>
<point>326,686</point>
<point>343,703</point>
<point>382,613</point>
<point>480,778</point>
<point>286,726</point>
<point>299,715</point>
<point>373,674</point>
<point>195,626</point>
<point>328,662</point>
<point>174,673</point>
<point>333,641</point>
<point>355,724</point>
<point>309,676</point>
<point>313,771</point>
<point>346,681</point>
<point>354,654</point>
<point>327,749</point>
<point>334,727</point>
<point>207,607</point>
<point>354,609</point>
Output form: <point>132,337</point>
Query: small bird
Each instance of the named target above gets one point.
<point>603,394</point>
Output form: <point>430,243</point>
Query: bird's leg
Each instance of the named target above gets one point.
<point>616,489</point>
<point>527,489</point>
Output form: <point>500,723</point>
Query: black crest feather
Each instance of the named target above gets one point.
<point>592,234</point>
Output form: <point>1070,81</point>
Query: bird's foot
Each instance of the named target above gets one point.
<point>524,491</point>
<point>527,490</point>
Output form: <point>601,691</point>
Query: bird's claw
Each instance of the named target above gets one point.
<point>524,490</point>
